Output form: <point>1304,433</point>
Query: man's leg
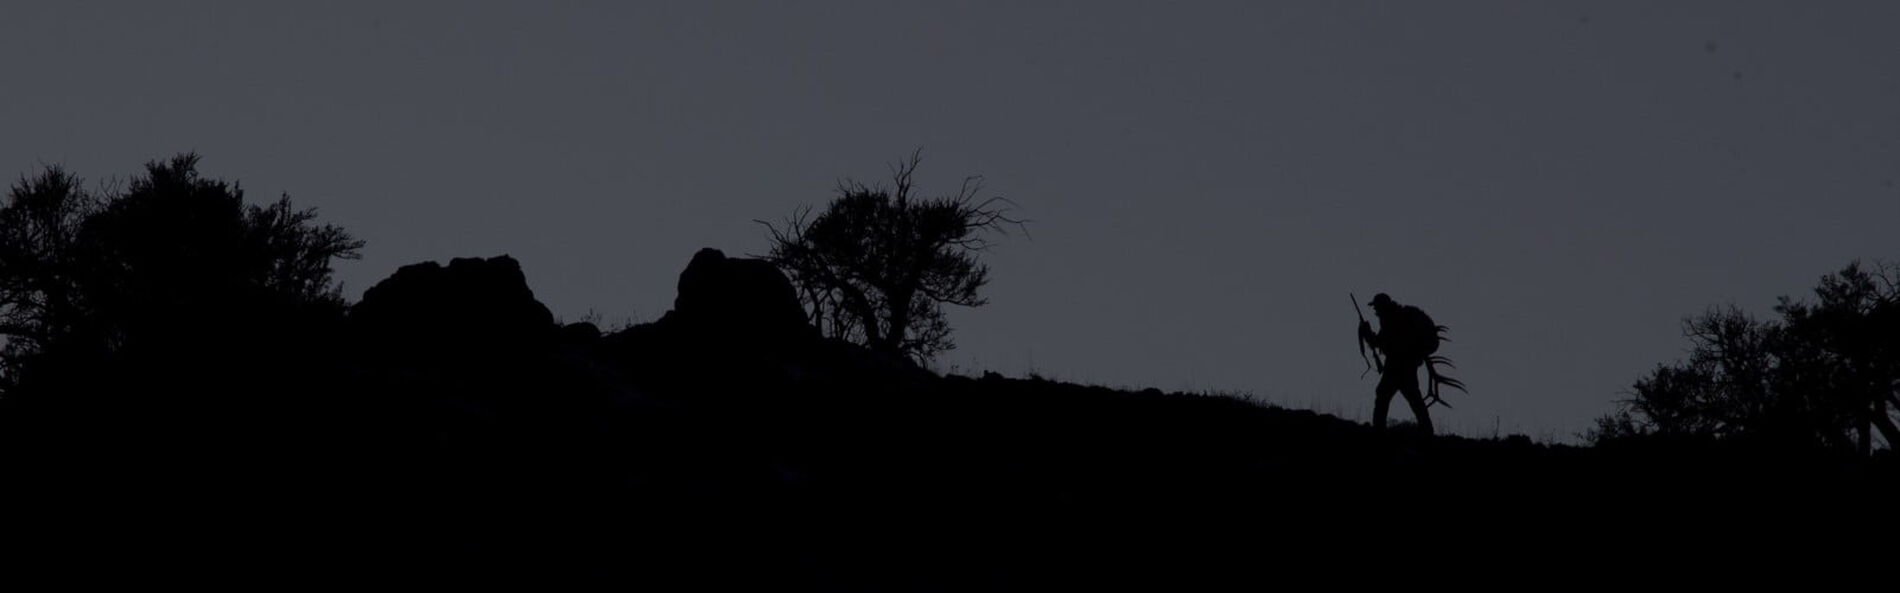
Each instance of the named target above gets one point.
<point>1382,400</point>
<point>1417,401</point>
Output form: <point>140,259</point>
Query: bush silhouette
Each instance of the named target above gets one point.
<point>1822,376</point>
<point>175,265</point>
<point>878,265</point>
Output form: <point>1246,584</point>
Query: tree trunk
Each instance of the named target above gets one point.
<point>900,324</point>
<point>1866,427</point>
<point>1887,428</point>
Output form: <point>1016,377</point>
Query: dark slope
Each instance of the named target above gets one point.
<point>459,434</point>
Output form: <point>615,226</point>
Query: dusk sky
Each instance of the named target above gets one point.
<point>1559,182</point>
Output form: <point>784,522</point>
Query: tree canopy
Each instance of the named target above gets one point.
<point>1823,375</point>
<point>171,258</point>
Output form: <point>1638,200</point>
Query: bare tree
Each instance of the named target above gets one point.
<point>878,264</point>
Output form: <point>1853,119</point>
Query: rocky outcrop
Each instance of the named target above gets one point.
<point>740,299</point>
<point>736,326</point>
<point>471,306</point>
<point>727,305</point>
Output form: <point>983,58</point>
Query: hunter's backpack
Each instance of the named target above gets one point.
<point>1411,334</point>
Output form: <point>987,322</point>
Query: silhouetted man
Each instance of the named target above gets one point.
<point>1407,337</point>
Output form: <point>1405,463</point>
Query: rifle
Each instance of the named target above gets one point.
<point>1362,340</point>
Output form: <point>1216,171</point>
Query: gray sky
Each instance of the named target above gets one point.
<point>1559,182</point>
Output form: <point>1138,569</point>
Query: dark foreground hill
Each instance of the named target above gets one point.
<point>451,431</point>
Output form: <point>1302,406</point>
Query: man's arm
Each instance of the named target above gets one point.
<point>1366,333</point>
